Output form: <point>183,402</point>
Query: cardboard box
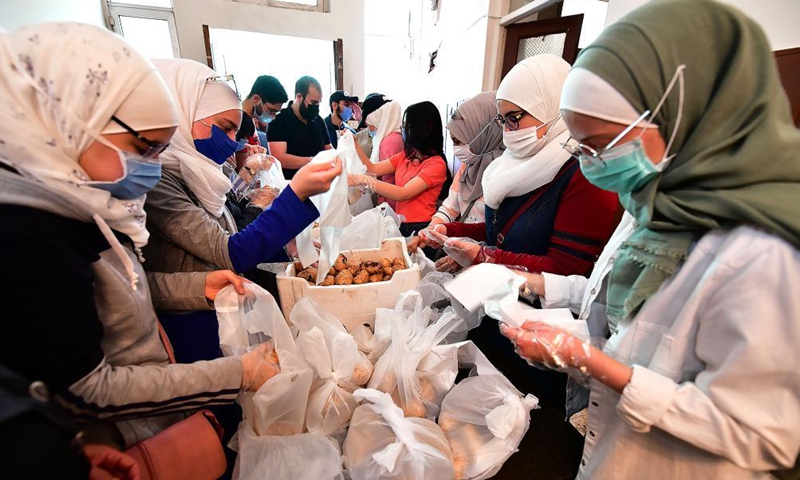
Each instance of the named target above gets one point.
<point>354,304</point>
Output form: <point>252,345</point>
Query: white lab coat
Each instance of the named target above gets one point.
<point>715,392</point>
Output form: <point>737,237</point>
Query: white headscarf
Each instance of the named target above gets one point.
<point>196,99</point>
<point>386,119</point>
<point>587,93</point>
<point>60,83</point>
<point>534,85</point>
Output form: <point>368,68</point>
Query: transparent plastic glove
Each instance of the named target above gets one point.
<point>259,365</point>
<point>428,238</point>
<point>447,265</point>
<point>254,164</point>
<point>543,344</point>
<point>262,197</point>
<point>461,249</point>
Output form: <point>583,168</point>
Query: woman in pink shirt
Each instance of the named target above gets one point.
<point>420,169</point>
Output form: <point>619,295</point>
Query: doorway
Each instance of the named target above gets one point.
<point>247,55</point>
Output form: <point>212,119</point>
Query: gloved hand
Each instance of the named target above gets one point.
<point>428,239</point>
<point>259,365</point>
<point>540,343</point>
<point>262,197</point>
<point>254,164</point>
<point>447,265</point>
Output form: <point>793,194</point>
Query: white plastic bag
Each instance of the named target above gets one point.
<point>349,366</point>
<point>497,289</point>
<point>338,364</point>
<point>279,406</point>
<point>382,444</point>
<point>330,406</point>
<point>374,344</point>
<point>306,456</point>
<point>334,216</point>
<point>249,320</point>
<point>426,265</point>
<point>370,228</point>
<point>416,380</point>
<point>484,419</point>
<point>431,287</point>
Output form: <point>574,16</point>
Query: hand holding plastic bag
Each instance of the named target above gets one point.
<point>249,320</point>
<point>484,419</point>
<point>258,366</point>
<point>382,444</point>
<point>334,216</point>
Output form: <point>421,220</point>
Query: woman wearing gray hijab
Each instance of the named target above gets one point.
<point>477,141</point>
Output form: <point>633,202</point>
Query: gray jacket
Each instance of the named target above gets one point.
<point>135,385</point>
<point>183,236</point>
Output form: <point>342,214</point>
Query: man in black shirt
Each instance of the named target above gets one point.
<point>341,112</point>
<point>298,132</point>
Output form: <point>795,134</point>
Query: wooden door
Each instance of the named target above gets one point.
<point>789,69</point>
<point>557,36</point>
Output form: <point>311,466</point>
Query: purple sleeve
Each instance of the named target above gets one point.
<point>277,226</point>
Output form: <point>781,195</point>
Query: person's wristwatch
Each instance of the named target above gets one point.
<point>249,170</point>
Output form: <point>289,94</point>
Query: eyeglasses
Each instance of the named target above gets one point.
<point>511,121</point>
<point>579,151</point>
<point>154,148</point>
<point>229,80</point>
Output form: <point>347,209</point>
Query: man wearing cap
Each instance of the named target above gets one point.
<point>341,112</point>
<point>298,132</point>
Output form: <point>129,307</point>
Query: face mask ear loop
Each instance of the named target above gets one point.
<point>681,93</point>
<point>677,77</point>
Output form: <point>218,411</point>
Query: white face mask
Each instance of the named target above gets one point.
<point>463,153</point>
<point>524,142</point>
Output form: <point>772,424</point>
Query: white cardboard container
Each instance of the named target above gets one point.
<point>354,304</point>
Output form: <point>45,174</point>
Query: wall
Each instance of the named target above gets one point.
<point>777,17</point>
<point>14,13</point>
<point>344,21</point>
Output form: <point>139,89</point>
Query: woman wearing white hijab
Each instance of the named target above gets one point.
<point>193,231</point>
<point>385,124</point>
<point>541,213</point>
<point>82,123</point>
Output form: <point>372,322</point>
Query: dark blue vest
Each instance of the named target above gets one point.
<point>531,232</point>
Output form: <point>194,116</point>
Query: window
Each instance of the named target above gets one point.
<point>309,5</point>
<point>149,25</point>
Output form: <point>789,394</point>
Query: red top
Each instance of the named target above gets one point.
<point>433,171</point>
<point>586,214</point>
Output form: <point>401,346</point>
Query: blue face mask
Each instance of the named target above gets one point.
<point>623,169</point>
<point>266,117</point>
<point>141,176</point>
<point>218,147</point>
<point>372,133</point>
<point>346,114</point>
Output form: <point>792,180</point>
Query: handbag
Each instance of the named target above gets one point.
<point>189,450</point>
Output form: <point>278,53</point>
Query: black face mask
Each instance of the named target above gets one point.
<point>309,112</point>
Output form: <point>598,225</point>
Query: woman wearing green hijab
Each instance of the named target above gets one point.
<point>678,108</point>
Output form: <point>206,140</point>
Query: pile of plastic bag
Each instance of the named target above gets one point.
<point>299,422</point>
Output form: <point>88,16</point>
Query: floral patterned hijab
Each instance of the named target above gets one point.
<point>60,84</point>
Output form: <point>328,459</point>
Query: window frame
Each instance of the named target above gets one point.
<point>121,9</point>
